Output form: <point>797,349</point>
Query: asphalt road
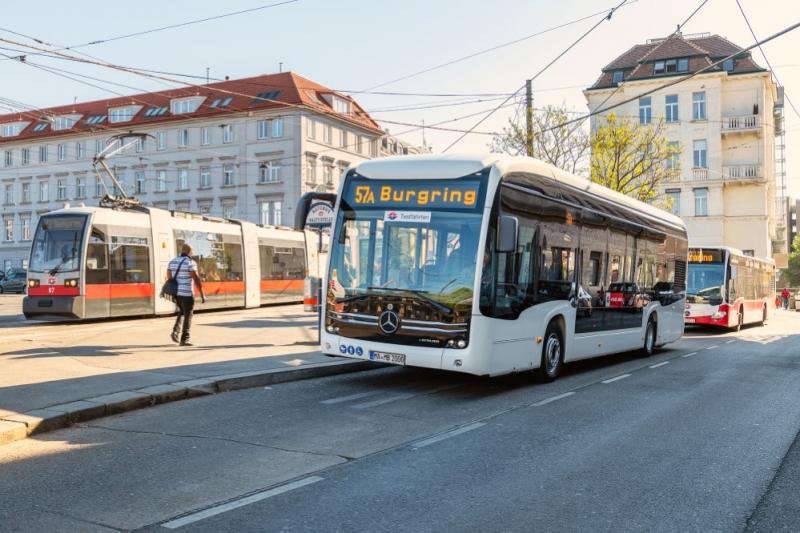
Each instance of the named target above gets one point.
<point>699,437</point>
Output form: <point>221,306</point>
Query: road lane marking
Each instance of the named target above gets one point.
<point>730,341</point>
<point>689,354</point>
<point>659,364</point>
<point>348,398</point>
<point>447,435</point>
<point>612,380</point>
<point>382,401</point>
<point>553,399</point>
<point>241,502</point>
<point>712,347</point>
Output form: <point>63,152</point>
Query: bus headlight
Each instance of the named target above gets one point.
<point>33,283</point>
<point>70,282</point>
<point>330,328</point>
<point>719,314</point>
<point>461,343</point>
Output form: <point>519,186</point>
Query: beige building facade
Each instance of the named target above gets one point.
<point>722,124</point>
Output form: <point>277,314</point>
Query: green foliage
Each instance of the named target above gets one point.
<point>793,271</point>
<point>632,158</point>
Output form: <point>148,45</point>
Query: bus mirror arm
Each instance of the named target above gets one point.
<point>507,234</point>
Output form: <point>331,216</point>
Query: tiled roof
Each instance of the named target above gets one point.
<point>638,62</point>
<point>285,89</point>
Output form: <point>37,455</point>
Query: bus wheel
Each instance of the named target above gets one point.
<point>739,321</point>
<point>552,354</point>
<point>764,316</point>
<point>650,338</point>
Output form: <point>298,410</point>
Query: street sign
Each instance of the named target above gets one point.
<point>320,215</point>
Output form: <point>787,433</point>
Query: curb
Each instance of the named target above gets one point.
<point>18,426</point>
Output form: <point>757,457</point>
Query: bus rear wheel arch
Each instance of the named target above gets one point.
<point>552,360</point>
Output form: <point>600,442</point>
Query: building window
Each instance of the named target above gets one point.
<point>269,172</point>
<point>161,140</point>
<point>9,194</point>
<point>658,67</point>
<point>122,114</point>
<point>8,224</point>
<point>326,134</point>
<point>61,190</point>
<point>683,65</point>
<point>140,182</point>
<point>26,193</point>
<point>311,169</point>
<point>671,110</point>
<point>161,181</point>
<point>43,154</point>
<point>9,158</point>
<point>80,187</point>
<point>728,65</point>
<point>80,150</point>
<point>98,146</point>
<point>25,224</point>
<point>61,150</point>
<point>674,156</point>
<point>205,177</point>
<point>701,202</point>
<point>119,191</point>
<point>10,130</point>
<point>44,191</point>
<point>183,179</point>
<point>674,196</point>
<point>271,213</point>
<point>277,127</point>
<point>699,106</point>
<point>183,138</point>
<point>700,152</point>
<point>185,106</point>
<point>340,105</point>
<point>204,208</point>
<point>667,66</point>
<point>344,139</point>
<point>228,174</point>
<point>26,156</point>
<point>227,133</point>
<point>327,174</point>
<point>645,111</point>
<point>312,129</point>
<point>98,187</point>
<point>228,210</point>
<point>205,136</point>
<point>616,77</point>
<point>140,146</point>
<point>263,129</point>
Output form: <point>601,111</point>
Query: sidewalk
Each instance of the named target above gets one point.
<point>55,375</point>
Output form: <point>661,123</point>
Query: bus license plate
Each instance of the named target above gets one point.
<point>689,320</point>
<point>384,357</point>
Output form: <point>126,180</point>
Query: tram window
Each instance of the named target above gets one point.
<point>595,264</point>
<point>233,262</point>
<point>97,259</point>
<point>130,264</point>
<point>282,262</point>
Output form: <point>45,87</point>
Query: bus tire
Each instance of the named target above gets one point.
<point>552,354</point>
<point>650,336</point>
<point>739,320</point>
<point>764,316</point>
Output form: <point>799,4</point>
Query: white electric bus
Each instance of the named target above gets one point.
<point>491,265</point>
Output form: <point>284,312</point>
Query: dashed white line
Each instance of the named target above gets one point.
<point>689,354</point>
<point>447,435</point>
<point>348,398</point>
<point>659,364</point>
<point>241,502</point>
<point>617,378</point>
<point>382,401</point>
<point>730,341</point>
<point>553,399</point>
<point>713,347</point>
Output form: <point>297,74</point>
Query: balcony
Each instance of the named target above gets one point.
<point>741,124</point>
<point>700,174</point>
<point>742,172</point>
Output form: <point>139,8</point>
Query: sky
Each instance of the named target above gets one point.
<point>364,45</point>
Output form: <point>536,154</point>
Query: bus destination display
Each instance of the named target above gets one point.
<point>698,255</point>
<point>450,194</point>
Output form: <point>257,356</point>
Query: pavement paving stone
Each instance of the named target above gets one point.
<point>40,420</point>
<point>11,431</point>
<point>119,402</point>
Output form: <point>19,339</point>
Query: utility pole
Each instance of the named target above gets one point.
<point>529,118</point>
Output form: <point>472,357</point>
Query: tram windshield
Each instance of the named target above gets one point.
<point>57,244</point>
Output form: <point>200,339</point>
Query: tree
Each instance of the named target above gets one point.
<point>633,159</point>
<point>563,146</point>
<point>793,272</point>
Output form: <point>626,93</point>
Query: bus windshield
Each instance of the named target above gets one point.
<point>57,244</point>
<point>427,254</point>
<point>706,281</point>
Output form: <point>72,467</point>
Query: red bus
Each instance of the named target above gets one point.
<point>726,288</point>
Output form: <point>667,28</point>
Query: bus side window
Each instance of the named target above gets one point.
<point>97,259</point>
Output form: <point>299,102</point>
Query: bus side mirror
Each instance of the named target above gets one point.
<point>507,232</point>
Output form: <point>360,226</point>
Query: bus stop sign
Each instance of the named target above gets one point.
<point>320,215</point>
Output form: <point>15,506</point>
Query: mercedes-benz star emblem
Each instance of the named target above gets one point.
<point>389,322</point>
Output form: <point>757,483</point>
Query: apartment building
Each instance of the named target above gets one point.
<point>721,121</point>
<point>245,149</point>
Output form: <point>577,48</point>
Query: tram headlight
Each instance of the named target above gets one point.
<point>33,283</point>
<point>70,282</point>
<point>461,343</point>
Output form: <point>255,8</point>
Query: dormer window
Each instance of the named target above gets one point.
<point>65,122</point>
<point>617,76</point>
<point>341,105</point>
<point>728,65</point>
<point>183,106</point>
<point>12,129</point>
<point>123,114</point>
<point>683,65</point>
<point>667,66</point>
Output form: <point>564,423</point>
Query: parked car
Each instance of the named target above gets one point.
<point>15,280</point>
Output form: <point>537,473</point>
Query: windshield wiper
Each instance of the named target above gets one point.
<point>422,295</point>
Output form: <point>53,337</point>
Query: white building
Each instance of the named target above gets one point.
<point>245,149</point>
<point>722,122</point>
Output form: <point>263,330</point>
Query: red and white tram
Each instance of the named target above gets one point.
<point>99,262</point>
